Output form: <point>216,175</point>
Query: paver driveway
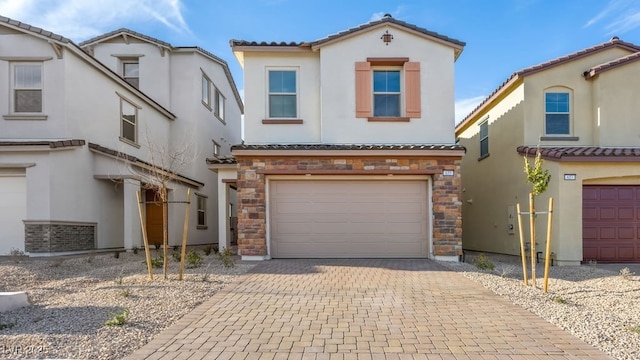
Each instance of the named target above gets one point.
<point>361,309</point>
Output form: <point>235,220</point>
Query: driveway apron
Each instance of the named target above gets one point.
<point>361,309</point>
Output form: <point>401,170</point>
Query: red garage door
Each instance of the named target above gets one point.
<point>611,223</point>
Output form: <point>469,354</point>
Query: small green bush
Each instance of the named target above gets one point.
<point>634,329</point>
<point>560,300</point>
<point>207,250</point>
<point>157,262</point>
<point>626,273</point>
<point>193,260</point>
<point>483,262</point>
<point>176,255</point>
<point>118,318</point>
<point>226,258</point>
<point>126,292</point>
<point>6,326</point>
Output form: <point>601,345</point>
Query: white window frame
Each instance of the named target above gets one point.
<point>206,91</point>
<point>400,93</point>
<point>124,63</point>
<point>14,87</point>
<point>216,148</point>
<point>201,210</point>
<point>483,123</point>
<point>219,106</point>
<point>296,94</point>
<point>126,102</point>
<point>562,90</point>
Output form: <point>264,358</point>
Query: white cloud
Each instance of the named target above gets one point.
<point>395,13</point>
<point>617,17</point>
<point>82,19</point>
<point>464,107</point>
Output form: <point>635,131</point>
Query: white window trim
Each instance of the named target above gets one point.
<point>401,92</point>
<point>121,120</point>
<point>297,93</point>
<point>203,211</point>
<point>209,84</point>
<point>216,148</point>
<point>218,99</point>
<point>123,62</point>
<point>13,115</point>
<point>557,89</point>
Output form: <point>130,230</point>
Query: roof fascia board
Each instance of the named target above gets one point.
<point>354,153</point>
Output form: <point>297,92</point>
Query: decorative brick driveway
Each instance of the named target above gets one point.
<point>361,309</point>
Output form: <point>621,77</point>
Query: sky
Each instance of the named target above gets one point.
<point>501,36</point>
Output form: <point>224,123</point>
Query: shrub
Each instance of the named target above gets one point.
<point>6,326</point>
<point>482,262</point>
<point>226,258</point>
<point>634,329</point>
<point>560,300</point>
<point>118,318</point>
<point>207,250</point>
<point>193,260</point>
<point>176,255</point>
<point>156,262</point>
<point>126,292</point>
<point>626,273</point>
<point>16,254</point>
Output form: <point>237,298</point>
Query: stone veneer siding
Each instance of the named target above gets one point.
<point>50,237</point>
<point>446,193</point>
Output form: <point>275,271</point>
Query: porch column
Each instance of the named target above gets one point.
<point>132,231</point>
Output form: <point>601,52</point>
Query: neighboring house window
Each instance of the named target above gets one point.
<point>128,120</point>
<point>206,92</point>
<point>131,72</point>
<point>386,93</point>
<point>216,149</point>
<point>27,88</point>
<point>283,102</point>
<point>388,89</point>
<point>484,139</point>
<point>202,210</point>
<point>557,113</point>
<point>219,106</point>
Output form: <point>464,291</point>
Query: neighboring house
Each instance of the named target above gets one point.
<point>349,146</point>
<point>581,110</point>
<point>80,131</point>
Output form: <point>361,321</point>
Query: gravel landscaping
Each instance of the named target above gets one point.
<point>599,306</point>
<point>73,298</point>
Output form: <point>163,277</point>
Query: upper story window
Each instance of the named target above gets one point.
<point>283,96</point>
<point>557,113</point>
<point>218,109</point>
<point>388,89</point>
<point>128,121</point>
<point>484,139</point>
<point>386,93</point>
<point>216,149</point>
<point>202,211</point>
<point>131,72</point>
<point>206,91</point>
<point>27,88</point>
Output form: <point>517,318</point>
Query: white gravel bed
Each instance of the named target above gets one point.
<point>600,307</point>
<point>73,298</point>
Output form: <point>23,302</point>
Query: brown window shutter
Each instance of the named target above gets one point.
<point>412,89</point>
<point>363,89</point>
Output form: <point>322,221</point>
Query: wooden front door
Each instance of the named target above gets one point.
<point>153,208</point>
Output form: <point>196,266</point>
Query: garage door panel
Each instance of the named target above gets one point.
<point>337,218</point>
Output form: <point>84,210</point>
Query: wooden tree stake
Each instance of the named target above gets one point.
<point>144,237</point>
<point>165,232</point>
<point>547,256</point>
<point>185,229</point>
<point>532,222</point>
<point>523,253</point>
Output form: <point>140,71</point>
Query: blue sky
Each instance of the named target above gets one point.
<point>502,36</point>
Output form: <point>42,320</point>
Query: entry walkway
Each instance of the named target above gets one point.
<point>361,309</point>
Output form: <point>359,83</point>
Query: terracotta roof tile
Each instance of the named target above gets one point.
<point>611,65</point>
<point>222,160</point>
<point>265,43</point>
<point>125,31</point>
<point>614,42</point>
<point>52,144</point>
<point>583,153</point>
<point>346,147</point>
<point>34,29</point>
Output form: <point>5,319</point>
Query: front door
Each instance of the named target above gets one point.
<point>153,208</point>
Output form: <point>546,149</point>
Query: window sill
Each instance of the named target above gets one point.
<point>282,121</point>
<point>25,117</point>
<point>202,227</point>
<point>206,106</point>
<point>388,119</point>
<point>559,138</point>
<point>221,120</point>
<point>483,157</point>
<point>127,141</point>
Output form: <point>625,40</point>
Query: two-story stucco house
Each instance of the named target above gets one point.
<point>581,110</point>
<point>349,146</point>
<point>82,127</point>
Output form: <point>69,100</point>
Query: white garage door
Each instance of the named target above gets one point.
<point>348,219</point>
<point>13,210</point>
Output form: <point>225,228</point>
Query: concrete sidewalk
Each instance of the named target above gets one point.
<point>361,309</point>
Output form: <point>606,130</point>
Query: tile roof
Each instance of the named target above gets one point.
<point>383,20</point>
<point>52,144</point>
<point>345,147</point>
<point>614,42</point>
<point>124,31</point>
<point>611,65</point>
<point>223,160</point>
<point>35,30</point>
<point>584,153</point>
<point>133,159</point>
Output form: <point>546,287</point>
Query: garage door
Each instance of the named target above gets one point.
<point>611,223</point>
<point>348,219</point>
<point>13,210</point>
